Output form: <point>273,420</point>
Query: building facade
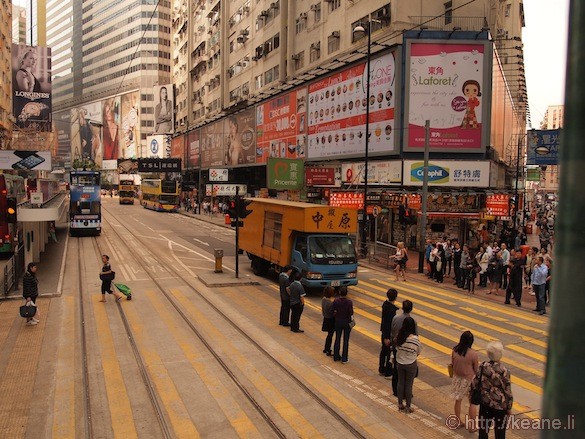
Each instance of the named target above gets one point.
<point>6,119</point>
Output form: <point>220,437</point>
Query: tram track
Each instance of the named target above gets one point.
<point>228,370</point>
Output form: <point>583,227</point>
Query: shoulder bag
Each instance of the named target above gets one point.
<point>28,311</point>
<point>108,276</point>
<point>476,393</point>
<point>352,322</point>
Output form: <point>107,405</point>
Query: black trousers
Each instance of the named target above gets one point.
<point>385,364</point>
<point>458,276</point>
<point>284,311</point>
<point>516,293</point>
<point>489,417</point>
<point>297,310</point>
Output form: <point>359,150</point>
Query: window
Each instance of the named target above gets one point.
<point>299,60</point>
<point>334,4</point>
<point>315,53</point>
<point>316,8</point>
<point>507,10</point>
<point>272,230</point>
<point>333,42</point>
<point>301,23</point>
<point>448,12</point>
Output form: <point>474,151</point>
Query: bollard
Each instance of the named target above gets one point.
<point>218,253</point>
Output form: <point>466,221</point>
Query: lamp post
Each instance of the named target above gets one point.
<point>359,31</point>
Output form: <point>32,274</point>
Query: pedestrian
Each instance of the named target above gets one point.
<point>408,348</point>
<point>448,247</point>
<point>515,274</point>
<point>505,254</point>
<point>433,259</point>
<point>547,285</point>
<point>544,237</point>
<point>400,258</point>
<point>495,269</point>
<point>343,314</point>
<point>539,275</point>
<point>457,263</point>
<point>440,262</point>
<point>283,282</point>
<point>30,291</point>
<point>482,259</point>
<point>428,250</point>
<point>473,269</point>
<point>297,301</point>
<point>389,309</point>
<point>530,263</point>
<point>493,380</point>
<point>328,325</point>
<point>464,266</point>
<point>397,322</point>
<point>465,365</point>
<point>53,231</point>
<point>107,276</point>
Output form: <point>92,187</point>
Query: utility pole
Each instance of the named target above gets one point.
<point>564,384</point>
<point>425,192</point>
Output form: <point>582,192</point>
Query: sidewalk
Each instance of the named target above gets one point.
<point>528,301</point>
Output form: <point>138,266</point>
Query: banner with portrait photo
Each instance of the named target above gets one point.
<point>164,109</point>
<point>31,84</point>
<point>86,132</point>
<point>130,138</point>
<point>111,128</point>
<point>212,137</point>
<point>240,138</point>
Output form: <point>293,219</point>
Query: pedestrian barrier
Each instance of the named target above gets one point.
<point>381,253</point>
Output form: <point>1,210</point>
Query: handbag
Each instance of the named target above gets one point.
<point>450,370</point>
<point>352,322</point>
<point>108,276</point>
<point>476,393</point>
<point>28,311</point>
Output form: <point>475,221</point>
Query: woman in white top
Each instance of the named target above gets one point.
<point>400,258</point>
<point>483,258</point>
<point>408,348</point>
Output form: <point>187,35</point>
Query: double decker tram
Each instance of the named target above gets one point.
<point>126,191</point>
<point>85,214</point>
<point>160,195</point>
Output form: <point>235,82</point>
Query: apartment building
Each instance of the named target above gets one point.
<point>6,118</point>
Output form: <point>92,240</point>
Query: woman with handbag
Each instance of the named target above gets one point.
<point>328,320</point>
<point>491,389</point>
<point>107,276</point>
<point>408,348</point>
<point>400,258</point>
<point>343,314</point>
<point>464,363</point>
<point>30,291</point>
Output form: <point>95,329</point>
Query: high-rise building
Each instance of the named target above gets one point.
<point>553,117</point>
<point>18,24</point>
<point>5,75</point>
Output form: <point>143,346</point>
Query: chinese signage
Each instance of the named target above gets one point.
<point>159,165</point>
<point>351,200</point>
<point>218,175</point>
<point>25,160</point>
<point>31,82</point>
<point>281,126</point>
<point>448,173</point>
<point>228,190</point>
<point>414,201</point>
<point>497,205</point>
<point>320,176</point>
<point>446,85</point>
<point>543,147</point>
<point>285,173</point>
<point>379,173</point>
<point>337,111</point>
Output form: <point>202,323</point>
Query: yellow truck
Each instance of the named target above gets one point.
<point>313,238</point>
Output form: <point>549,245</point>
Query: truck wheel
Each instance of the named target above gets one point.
<point>260,266</point>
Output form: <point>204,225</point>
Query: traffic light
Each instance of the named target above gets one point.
<point>232,210</point>
<point>242,208</point>
<point>11,210</point>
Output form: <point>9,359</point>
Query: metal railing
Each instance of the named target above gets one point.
<point>380,253</point>
<point>13,270</point>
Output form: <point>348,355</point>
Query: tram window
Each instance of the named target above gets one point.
<point>75,208</point>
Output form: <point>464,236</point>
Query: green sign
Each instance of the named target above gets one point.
<point>533,175</point>
<point>285,173</point>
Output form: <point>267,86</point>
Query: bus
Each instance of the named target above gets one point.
<point>85,209</point>
<point>12,193</point>
<point>126,191</point>
<point>160,195</point>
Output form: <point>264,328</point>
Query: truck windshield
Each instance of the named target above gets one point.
<point>331,250</point>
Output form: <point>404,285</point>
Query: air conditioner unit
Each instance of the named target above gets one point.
<point>316,7</point>
<point>296,56</point>
<point>199,101</point>
<point>244,32</point>
<point>255,58</point>
<point>264,14</point>
<point>246,9</point>
<point>246,59</point>
<point>241,39</point>
<point>246,92</point>
<point>502,33</point>
<point>335,34</point>
<point>303,16</point>
<point>274,5</point>
<point>208,108</point>
<point>232,21</point>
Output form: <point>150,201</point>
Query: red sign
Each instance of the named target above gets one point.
<point>414,201</point>
<point>351,200</point>
<point>498,205</point>
<point>320,176</point>
<point>178,147</point>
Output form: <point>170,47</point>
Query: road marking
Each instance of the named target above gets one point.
<point>207,258</point>
<point>201,242</point>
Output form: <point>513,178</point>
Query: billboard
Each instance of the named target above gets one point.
<point>285,173</point>
<point>448,173</point>
<point>130,124</point>
<point>164,109</point>
<point>337,111</point>
<point>31,83</point>
<point>86,132</point>
<point>543,147</point>
<point>240,138</point>
<point>25,160</point>
<point>212,145</point>
<point>159,146</point>
<point>62,123</point>
<point>448,84</point>
<point>111,116</point>
<point>379,173</point>
<point>281,125</point>
<point>178,147</point>
<point>193,149</point>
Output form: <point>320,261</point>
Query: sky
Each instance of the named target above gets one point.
<point>545,52</point>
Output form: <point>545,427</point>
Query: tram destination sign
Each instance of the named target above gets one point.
<point>159,165</point>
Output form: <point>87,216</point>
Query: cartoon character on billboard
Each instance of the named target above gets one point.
<point>472,91</point>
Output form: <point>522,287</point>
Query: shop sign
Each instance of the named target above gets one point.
<point>543,147</point>
<point>351,200</point>
<point>159,165</point>
<point>533,175</point>
<point>393,199</point>
<point>318,176</point>
<point>285,173</point>
<point>498,204</point>
<point>414,201</point>
<point>380,173</point>
<point>218,174</point>
<point>448,173</point>
<point>228,190</point>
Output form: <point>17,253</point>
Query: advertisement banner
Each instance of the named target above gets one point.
<point>178,147</point>
<point>533,175</point>
<point>379,173</point>
<point>111,129</point>
<point>25,160</point>
<point>448,173</point>
<point>164,109</point>
<point>446,84</point>
<point>62,124</point>
<point>130,136</point>
<point>320,176</point>
<point>193,149</point>
<point>285,173</point>
<point>159,165</point>
<point>543,147</point>
<point>31,82</point>
<point>159,146</point>
<point>127,166</point>
<point>337,111</point>
<point>497,205</point>
<point>218,175</point>
<point>351,200</point>
<point>240,138</point>
<point>86,132</point>
<point>212,145</point>
<point>281,126</point>
<point>224,190</point>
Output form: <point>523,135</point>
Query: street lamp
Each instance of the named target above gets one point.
<point>358,33</point>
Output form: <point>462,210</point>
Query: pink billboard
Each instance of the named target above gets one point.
<point>447,86</point>
<point>193,149</point>
<point>337,111</point>
<point>281,126</point>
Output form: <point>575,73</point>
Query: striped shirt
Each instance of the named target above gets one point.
<point>409,350</point>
